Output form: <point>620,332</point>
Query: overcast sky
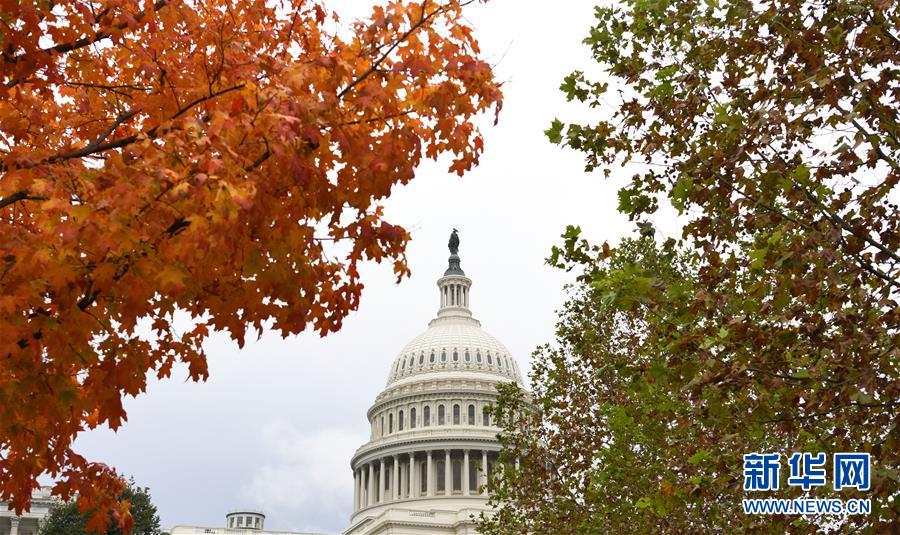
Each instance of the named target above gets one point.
<point>276,423</point>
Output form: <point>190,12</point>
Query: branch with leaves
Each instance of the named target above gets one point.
<point>213,159</point>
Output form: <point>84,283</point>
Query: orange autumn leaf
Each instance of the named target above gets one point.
<point>221,159</point>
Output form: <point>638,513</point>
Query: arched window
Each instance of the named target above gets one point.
<point>456,415</point>
<point>468,357</point>
<point>382,426</point>
<point>455,356</point>
<point>478,357</point>
<point>499,362</point>
<point>431,358</point>
<point>443,356</point>
<point>471,415</point>
<point>403,364</point>
<point>412,418</point>
<point>412,360</point>
<point>440,415</point>
<point>426,416</point>
<point>400,420</point>
<point>421,359</point>
<point>390,423</point>
<point>490,360</point>
<point>485,419</point>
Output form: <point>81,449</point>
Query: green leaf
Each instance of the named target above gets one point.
<point>554,133</point>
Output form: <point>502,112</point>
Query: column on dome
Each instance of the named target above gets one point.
<point>395,482</point>
<point>403,475</point>
<point>355,490</point>
<point>413,476</point>
<point>484,471</point>
<point>448,476</point>
<point>429,479</point>
<point>370,490</point>
<point>359,489</point>
<point>381,482</point>
<point>465,474</point>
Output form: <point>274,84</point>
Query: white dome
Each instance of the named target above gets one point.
<point>454,343</point>
<point>433,441</point>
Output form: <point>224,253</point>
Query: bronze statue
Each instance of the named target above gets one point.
<point>454,243</point>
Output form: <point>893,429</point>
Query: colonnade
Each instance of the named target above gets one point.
<point>416,474</point>
<point>455,295</point>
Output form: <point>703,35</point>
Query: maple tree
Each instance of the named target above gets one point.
<point>771,129</point>
<point>219,160</point>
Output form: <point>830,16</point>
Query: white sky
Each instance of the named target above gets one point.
<point>275,425</point>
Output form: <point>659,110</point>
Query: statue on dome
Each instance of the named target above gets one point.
<point>454,243</point>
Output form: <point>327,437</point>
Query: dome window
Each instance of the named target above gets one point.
<point>421,359</point>
<point>444,356</point>
<point>468,357</point>
<point>403,364</point>
<point>471,415</point>
<point>490,359</point>
<point>426,416</point>
<point>455,356</point>
<point>441,418</point>
<point>412,361</point>
<point>478,356</point>
<point>431,358</point>
<point>456,415</point>
<point>390,423</point>
<point>412,418</point>
<point>499,362</point>
<point>485,419</point>
<point>400,420</point>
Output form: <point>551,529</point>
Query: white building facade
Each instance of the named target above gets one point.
<point>28,523</point>
<point>432,446</point>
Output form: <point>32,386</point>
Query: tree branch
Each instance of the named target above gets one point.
<point>422,20</point>
<point>87,41</point>
<point>21,195</point>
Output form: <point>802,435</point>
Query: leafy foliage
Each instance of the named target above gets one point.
<point>220,159</point>
<point>771,128</point>
<point>67,519</point>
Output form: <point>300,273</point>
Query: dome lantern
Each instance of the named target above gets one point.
<point>454,285</point>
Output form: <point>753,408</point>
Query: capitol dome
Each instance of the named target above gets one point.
<point>432,445</point>
<point>454,343</point>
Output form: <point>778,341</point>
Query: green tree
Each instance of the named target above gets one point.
<point>67,519</point>
<point>602,422</point>
<point>771,128</point>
